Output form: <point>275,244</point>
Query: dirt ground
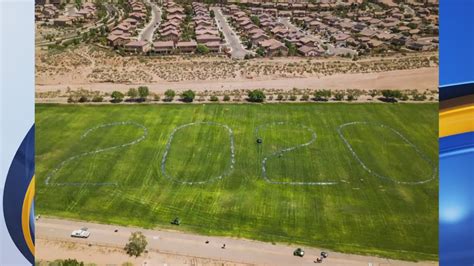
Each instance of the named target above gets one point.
<point>104,247</point>
<point>51,250</point>
<point>419,79</point>
<point>93,68</point>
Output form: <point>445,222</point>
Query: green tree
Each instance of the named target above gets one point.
<point>70,262</point>
<point>391,95</point>
<point>78,4</point>
<point>257,96</point>
<point>143,92</point>
<point>226,98</point>
<point>261,51</point>
<point>132,93</point>
<point>117,96</point>
<point>322,95</point>
<point>373,93</point>
<point>188,96</point>
<point>255,20</point>
<point>202,49</point>
<point>292,50</point>
<point>339,95</point>
<point>136,244</point>
<point>97,99</point>
<point>169,95</point>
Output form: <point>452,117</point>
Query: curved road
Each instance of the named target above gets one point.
<point>147,33</point>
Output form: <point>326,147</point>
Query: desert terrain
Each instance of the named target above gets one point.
<point>97,69</point>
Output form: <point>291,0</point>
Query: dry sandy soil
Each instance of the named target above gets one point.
<point>178,248</point>
<point>51,250</point>
<point>93,68</point>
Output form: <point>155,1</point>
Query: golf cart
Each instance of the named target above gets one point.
<point>81,233</point>
<point>176,221</point>
<point>298,252</point>
<point>259,141</point>
<point>324,254</point>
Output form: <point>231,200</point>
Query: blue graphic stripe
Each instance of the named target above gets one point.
<point>17,182</point>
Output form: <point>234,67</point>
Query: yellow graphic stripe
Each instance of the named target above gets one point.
<point>456,121</point>
<point>25,215</point>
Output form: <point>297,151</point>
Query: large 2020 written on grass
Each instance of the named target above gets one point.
<point>360,213</point>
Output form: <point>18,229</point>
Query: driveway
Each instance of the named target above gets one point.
<point>147,33</point>
<point>237,49</point>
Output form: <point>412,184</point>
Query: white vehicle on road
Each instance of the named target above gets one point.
<point>81,233</point>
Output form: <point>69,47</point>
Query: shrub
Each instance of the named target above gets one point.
<point>353,95</point>
<point>202,49</point>
<point>226,98</point>
<point>71,99</point>
<point>143,92</point>
<point>280,97</point>
<point>322,95</point>
<point>404,97</point>
<point>256,96</point>
<point>373,93</point>
<point>98,99</point>
<point>156,97</point>
<point>169,95</point>
<point>419,97</point>
<point>136,244</point>
<point>214,98</point>
<point>339,96</point>
<point>293,97</point>
<point>117,97</point>
<point>132,93</point>
<point>188,96</point>
<point>391,95</point>
<point>305,97</point>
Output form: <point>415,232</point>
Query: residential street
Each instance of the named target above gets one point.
<point>147,33</point>
<point>238,51</point>
<point>191,245</point>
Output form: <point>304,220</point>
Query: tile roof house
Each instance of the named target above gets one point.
<point>274,47</point>
<point>206,38</point>
<point>170,35</point>
<point>310,51</point>
<point>213,46</point>
<point>163,47</point>
<point>186,47</point>
<point>118,40</point>
<point>137,46</point>
<point>258,37</point>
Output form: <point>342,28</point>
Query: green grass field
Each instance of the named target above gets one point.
<point>92,177</point>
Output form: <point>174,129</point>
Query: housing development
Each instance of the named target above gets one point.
<point>236,132</point>
<point>325,28</point>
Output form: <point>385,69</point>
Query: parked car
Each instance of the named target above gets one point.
<point>298,252</point>
<point>81,233</point>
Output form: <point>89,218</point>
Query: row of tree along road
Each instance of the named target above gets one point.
<point>143,94</point>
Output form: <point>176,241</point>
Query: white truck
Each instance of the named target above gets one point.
<point>81,233</point>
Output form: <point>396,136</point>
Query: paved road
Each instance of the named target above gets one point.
<point>237,49</point>
<point>147,33</point>
<point>172,242</point>
<point>288,24</point>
